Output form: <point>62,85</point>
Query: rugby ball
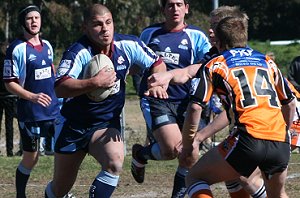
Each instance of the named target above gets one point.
<point>97,63</point>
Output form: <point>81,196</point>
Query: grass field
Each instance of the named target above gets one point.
<point>159,175</point>
<point>158,182</point>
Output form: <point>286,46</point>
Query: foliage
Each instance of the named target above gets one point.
<point>284,54</point>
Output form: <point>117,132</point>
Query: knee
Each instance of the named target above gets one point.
<point>115,167</point>
<point>168,154</point>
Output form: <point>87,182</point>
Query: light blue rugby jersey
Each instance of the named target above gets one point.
<point>178,50</point>
<point>33,70</point>
<point>126,51</point>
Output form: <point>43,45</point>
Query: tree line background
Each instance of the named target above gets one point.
<point>62,19</point>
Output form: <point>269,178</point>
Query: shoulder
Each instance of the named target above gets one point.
<point>125,37</point>
<point>194,29</point>
<point>152,27</point>
<point>296,59</point>
<point>78,46</point>
<point>16,46</point>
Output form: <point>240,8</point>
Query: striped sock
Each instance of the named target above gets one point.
<point>261,192</point>
<point>236,190</point>
<point>199,190</point>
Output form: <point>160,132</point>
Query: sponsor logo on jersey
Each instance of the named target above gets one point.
<point>155,41</point>
<point>50,54</point>
<point>7,68</point>
<point>168,49</point>
<point>168,57</point>
<point>32,57</point>
<point>183,44</point>
<point>64,66</point>
<point>42,73</point>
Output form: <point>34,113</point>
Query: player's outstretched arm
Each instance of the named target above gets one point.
<point>175,76</point>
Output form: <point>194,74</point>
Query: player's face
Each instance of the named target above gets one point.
<point>100,30</point>
<point>175,11</point>
<point>213,23</point>
<point>33,22</point>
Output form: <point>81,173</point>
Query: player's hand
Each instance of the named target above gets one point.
<point>105,78</point>
<point>189,155</point>
<point>157,92</point>
<point>160,79</point>
<point>42,99</point>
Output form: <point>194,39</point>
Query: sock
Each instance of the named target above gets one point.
<point>48,191</point>
<point>179,183</point>
<point>151,152</point>
<point>199,190</point>
<point>236,190</point>
<point>261,192</point>
<point>104,185</point>
<point>22,176</point>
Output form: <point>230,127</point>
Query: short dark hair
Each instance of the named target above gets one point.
<point>164,2</point>
<point>24,11</point>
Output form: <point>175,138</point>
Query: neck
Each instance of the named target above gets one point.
<point>173,27</point>
<point>33,39</point>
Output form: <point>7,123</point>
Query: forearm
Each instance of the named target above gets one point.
<point>288,112</point>
<point>191,124</point>
<point>219,123</point>
<point>18,90</point>
<point>181,76</point>
<point>74,87</point>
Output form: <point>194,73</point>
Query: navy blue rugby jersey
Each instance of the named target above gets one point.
<point>32,67</point>
<point>178,50</point>
<point>126,51</point>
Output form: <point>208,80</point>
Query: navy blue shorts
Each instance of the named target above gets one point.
<point>164,112</point>
<point>32,131</point>
<point>74,137</point>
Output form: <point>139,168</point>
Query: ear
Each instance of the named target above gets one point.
<point>187,6</point>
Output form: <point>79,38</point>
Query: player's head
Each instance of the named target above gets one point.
<point>174,10</point>
<point>98,25</point>
<point>163,3</point>
<point>222,12</point>
<point>30,19</point>
<point>231,32</point>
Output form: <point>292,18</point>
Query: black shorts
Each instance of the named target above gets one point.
<point>165,112</point>
<point>32,131</point>
<point>245,153</point>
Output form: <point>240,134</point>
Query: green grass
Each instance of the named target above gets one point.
<point>159,178</point>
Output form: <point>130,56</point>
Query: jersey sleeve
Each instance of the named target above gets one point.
<point>204,89</point>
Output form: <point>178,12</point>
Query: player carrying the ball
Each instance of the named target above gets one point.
<point>94,127</point>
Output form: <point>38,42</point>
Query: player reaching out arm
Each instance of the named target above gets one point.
<point>267,92</point>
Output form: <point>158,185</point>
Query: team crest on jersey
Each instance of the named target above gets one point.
<point>183,44</point>
<point>43,62</point>
<point>120,60</point>
<point>32,57</point>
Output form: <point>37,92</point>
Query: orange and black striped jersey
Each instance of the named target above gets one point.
<point>294,90</point>
<point>252,90</point>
